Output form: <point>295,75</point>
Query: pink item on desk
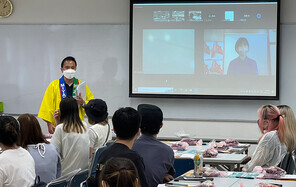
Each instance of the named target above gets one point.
<point>206,183</point>
<point>221,146</point>
<point>191,141</point>
<point>180,146</point>
<point>231,142</point>
<point>274,172</point>
<point>210,153</point>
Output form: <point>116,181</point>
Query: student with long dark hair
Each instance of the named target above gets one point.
<point>17,167</point>
<point>71,137</point>
<point>46,156</point>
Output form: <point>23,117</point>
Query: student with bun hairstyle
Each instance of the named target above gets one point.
<point>271,149</point>
<point>71,137</point>
<point>119,172</point>
<point>17,167</point>
<point>290,127</point>
<point>46,156</point>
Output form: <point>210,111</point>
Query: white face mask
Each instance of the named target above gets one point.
<point>69,73</point>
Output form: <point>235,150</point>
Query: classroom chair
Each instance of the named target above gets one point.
<point>182,165</point>
<point>63,181</point>
<point>94,161</point>
<point>95,158</point>
<point>289,163</point>
<point>79,178</point>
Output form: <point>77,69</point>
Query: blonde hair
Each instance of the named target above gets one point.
<point>273,115</point>
<point>290,127</point>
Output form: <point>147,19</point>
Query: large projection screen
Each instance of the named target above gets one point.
<point>204,49</point>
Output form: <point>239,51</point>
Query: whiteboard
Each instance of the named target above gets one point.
<point>31,56</point>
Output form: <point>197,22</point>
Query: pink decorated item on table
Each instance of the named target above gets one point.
<point>206,183</point>
<point>221,146</point>
<point>210,153</point>
<point>190,141</point>
<point>231,142</point>
<point>274,172</point>
<point>180,146</point>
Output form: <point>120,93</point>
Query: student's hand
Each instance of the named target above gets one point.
<point>50,127</point>
<point>56,116</point>
<point>168,177</point>
<point>79,100</point>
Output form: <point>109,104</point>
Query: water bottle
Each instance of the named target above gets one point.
<point>198,165</point>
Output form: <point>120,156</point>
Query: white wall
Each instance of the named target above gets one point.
<point>117,12</point>
<point>93,12</point>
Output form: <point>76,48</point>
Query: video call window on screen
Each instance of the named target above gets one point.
<point>204,49</point>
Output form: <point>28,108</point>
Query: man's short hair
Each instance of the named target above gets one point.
<point>152,118</point>
<point>241,41</point>
<point>68,58</point>
<point>126,123</point>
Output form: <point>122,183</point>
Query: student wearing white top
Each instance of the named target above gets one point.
<point>17,167</point>
<point>71,137</point>
<point>99,132</point>
<point>271,149</point>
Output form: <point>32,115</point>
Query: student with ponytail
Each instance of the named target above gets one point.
<point>271,148</point>
<point>119,172</point>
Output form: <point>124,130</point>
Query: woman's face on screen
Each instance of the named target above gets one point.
<point>243,50</point>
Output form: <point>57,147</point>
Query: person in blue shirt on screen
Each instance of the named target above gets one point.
<point>242,65</point>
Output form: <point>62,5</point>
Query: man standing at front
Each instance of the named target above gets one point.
<point>59,89</point>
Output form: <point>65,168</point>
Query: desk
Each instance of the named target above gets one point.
<point>228,160</point>
<point>234,182</point>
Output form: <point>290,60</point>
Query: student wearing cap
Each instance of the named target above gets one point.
<point>158,170</point>
<point>99,132</point>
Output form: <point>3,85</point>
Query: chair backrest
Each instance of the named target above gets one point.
<point>182,165</point>
<point>289,163</point>
<point>94,161</point>
<point>79,178</point>
<point>285,162</point>
<point>292,164</point>
<point>63,181</point>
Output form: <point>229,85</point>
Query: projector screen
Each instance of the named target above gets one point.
<point>204,49</point>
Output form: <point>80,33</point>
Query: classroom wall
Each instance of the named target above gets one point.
<point>203,118</point>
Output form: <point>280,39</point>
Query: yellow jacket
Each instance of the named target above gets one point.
<point>51,102</point>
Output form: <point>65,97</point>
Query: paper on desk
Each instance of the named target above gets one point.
<point>81,89</point>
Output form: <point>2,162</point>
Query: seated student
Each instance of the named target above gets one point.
<point>290,127</point>
<point>17,167</point>
<point>271,148</point>
<point>158,170</point>
<point>46,156</point>
<point>126,125</point>
<point>99,133</point>
<point>71,137</point>
<point>119,172</point>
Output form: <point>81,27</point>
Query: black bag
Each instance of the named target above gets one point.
<point>39,183</point>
